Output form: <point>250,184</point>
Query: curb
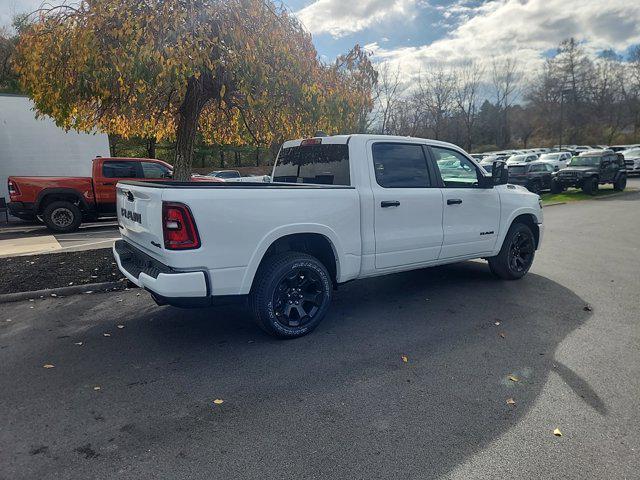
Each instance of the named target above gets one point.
<point>61,291</point>
<point>545,205</point>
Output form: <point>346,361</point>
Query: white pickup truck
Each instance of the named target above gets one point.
<point>339,208</point>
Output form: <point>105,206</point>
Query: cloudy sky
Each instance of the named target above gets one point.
<point>414,33</point>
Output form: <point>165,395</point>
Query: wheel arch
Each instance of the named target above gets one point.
<point>530,220</point>
<point>49,195</point>
<point>316,240</point>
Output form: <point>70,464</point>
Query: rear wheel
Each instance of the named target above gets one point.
<point>620,184</point>
<point>590,186</point>
<point>516,255</point>
<point>62,217</point>
<point>291,294</point>
<point>535,187</point>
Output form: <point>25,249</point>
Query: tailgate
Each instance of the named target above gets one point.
<point>140,215</point>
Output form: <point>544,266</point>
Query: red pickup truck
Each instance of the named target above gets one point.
<point>64,202</point>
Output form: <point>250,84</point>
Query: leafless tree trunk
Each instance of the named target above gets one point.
<point>505,75</point>
<point>466,92</point>
<point>388,92</point>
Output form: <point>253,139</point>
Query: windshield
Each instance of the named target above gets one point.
<point>585,161</point>
<point>517,158</point>
<point>550,156</point>
<point>518,169</point>
<point>320,164</point>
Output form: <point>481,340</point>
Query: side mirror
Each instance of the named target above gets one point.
<point>500,173</point>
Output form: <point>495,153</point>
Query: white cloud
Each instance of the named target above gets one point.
<point>525,30</point>
<point>343,17</point>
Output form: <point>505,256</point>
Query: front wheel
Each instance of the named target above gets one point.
<point>516,255</point>
<point>291,294</point>
<point>590,186</point>
<point>620,184</point>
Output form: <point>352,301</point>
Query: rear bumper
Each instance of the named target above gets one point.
<point>168,286</point>
<point>21,209</point>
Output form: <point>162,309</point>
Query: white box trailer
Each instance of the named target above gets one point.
<point>37,147</point>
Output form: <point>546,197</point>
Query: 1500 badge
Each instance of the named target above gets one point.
<point>133,216</point>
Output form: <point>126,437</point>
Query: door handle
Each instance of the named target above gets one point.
<point>389,203</point>
<point>108,183</point>
<point>454,201</point>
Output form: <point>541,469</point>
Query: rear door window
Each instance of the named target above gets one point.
<point>155,170</point>
<point>317,164</point>
<point>400,165</point>
<point>121,169</point>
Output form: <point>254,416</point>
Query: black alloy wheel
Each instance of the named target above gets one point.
<point>291,294</point>
<point>521,252</point>
<point>298,297</point>
<point>516,255</point>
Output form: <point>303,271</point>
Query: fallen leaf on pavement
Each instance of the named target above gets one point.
<point>97,387</point>
<point>588,308</point>
<point>513,378</point>
<point>54,295</point>
<point>218,401</point>
<point>557,432</point>
<point>496,323</point>
<point>106,334</point>
<point>78,343</point>
<point>503,335</point>
<point>405,359</point>
<point>511,401</point>
<point>48,365</point>
<point>120,326</point>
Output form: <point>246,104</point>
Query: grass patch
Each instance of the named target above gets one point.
<point>575,195</point>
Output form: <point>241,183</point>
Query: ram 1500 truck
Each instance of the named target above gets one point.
<point>339,208</point>
<point>64,202</point>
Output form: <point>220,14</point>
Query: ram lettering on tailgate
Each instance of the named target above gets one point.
<point>133,216</point>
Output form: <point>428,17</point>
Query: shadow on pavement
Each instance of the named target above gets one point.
<point>339,403</point>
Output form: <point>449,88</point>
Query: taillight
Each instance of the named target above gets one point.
<point>13,188</point>
<point>178,227</point>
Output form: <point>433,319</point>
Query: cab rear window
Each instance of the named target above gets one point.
<point>317,164</point>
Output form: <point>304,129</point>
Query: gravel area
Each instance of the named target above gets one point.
<point>38,272</point>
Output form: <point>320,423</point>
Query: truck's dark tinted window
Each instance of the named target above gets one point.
<point>400,165</point>
<point>115,169</point>
<point>319,164</point>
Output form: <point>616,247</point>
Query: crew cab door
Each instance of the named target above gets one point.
<point>108,173</point>
<point>407,205</point>
<point>471,214</point>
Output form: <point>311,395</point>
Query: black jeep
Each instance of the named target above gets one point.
<point>589,170</point>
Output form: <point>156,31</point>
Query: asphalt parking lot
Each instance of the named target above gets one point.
<point>132,389</point>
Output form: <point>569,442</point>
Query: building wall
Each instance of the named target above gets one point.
<point>37,147</point>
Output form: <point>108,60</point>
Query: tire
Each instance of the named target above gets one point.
<point>291,294</point>
<point>620,184</point>
<point>556,186</point>
<point>535,187</point>
<point>62,217</point>
<point>519,242</point>
<point>590,186</point>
